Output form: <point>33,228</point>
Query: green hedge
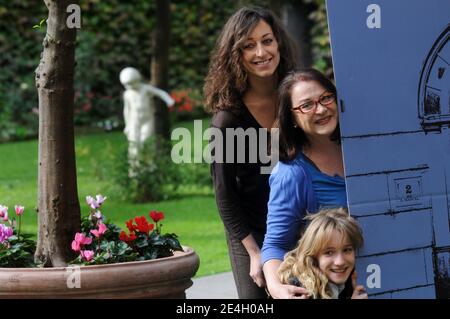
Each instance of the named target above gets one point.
<point>19,57</point>
<point>114,34</point>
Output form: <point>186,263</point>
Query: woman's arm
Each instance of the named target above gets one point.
<point>255,260</point>
<point>278,290</point>
<point>290,197</point>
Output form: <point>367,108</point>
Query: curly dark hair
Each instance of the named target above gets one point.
<point>226,81</point>
<point>293,138</point>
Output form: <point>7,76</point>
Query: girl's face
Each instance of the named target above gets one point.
<point>337,259</point>
<point>260,54</point>
<point>314,109</point>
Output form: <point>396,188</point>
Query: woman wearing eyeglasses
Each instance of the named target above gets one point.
<point>310,174</point>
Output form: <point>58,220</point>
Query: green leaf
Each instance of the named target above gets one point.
<point>153,254</point>
<point>174,244</point>
<point>158,240</point>
<point>141,242</point>
<point>38,26</point>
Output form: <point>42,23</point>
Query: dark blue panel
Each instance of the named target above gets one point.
<point>415,293</point>
<point>394,95</point>
<point>413,268</point>
<point>390,58</point>
<point>382,233</point>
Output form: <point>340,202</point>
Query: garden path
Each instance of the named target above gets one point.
<point>219,286</point>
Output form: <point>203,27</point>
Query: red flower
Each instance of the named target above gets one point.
<point>183,103</point>
<point>156,216</point>
<point>130,225</point>
<point>176,97</point>
<point>187,107</point>
<point>124,237</point>
<point>143,225</point>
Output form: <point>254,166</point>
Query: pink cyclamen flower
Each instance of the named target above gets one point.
<point>91,202</point>
<point>86,240</point>
<point>19,210</point>
<point>101,230</point>
<point>8,231</point>
<point>96,202</point>
<point>82,239</point>
<point>87,254</point>
<point>100,199</point>
<point>5,233</point>
<point>5,216</point>
<point>79,241</point>
<point>76,246</point>
<point>98,215</point>
<point>3,210</point>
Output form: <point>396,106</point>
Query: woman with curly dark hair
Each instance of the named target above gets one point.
<point>252,55</point>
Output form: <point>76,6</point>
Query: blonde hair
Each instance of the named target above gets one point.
<point>301,263</point>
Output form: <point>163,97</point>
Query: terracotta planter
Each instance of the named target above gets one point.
<point>159,278</point>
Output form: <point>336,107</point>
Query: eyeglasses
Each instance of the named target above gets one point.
<point>326,98</point>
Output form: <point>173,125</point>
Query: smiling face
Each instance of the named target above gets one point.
<point>337,259</point>
<point>322,120</point>
<point>260,54</point>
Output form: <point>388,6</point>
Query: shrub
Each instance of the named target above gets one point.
<point>153,176</point>
<point>188,105</point>
<point>114,34</point>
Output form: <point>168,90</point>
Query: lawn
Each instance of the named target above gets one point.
<point>191,213</point>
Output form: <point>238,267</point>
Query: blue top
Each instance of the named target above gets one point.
<point>297,187</point>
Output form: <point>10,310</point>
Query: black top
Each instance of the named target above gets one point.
<point>345,294</point>
<point>242,192</point>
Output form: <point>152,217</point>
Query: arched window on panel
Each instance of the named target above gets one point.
<point>434,90</point>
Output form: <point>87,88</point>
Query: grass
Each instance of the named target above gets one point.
<point>191,213</point>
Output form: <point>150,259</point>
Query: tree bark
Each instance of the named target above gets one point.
<point>296,18</point>
<point>276,6</point>
<point>160,66</point>
<point>59,209</point>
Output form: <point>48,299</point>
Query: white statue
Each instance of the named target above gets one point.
<point>139,112</point>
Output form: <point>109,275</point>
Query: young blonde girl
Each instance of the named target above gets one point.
<point>324,258</point>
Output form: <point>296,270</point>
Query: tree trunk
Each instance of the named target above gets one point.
<point>160,66</point>
<point>59,209</point>
<point>295,16</point>
<point>276,7</point>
